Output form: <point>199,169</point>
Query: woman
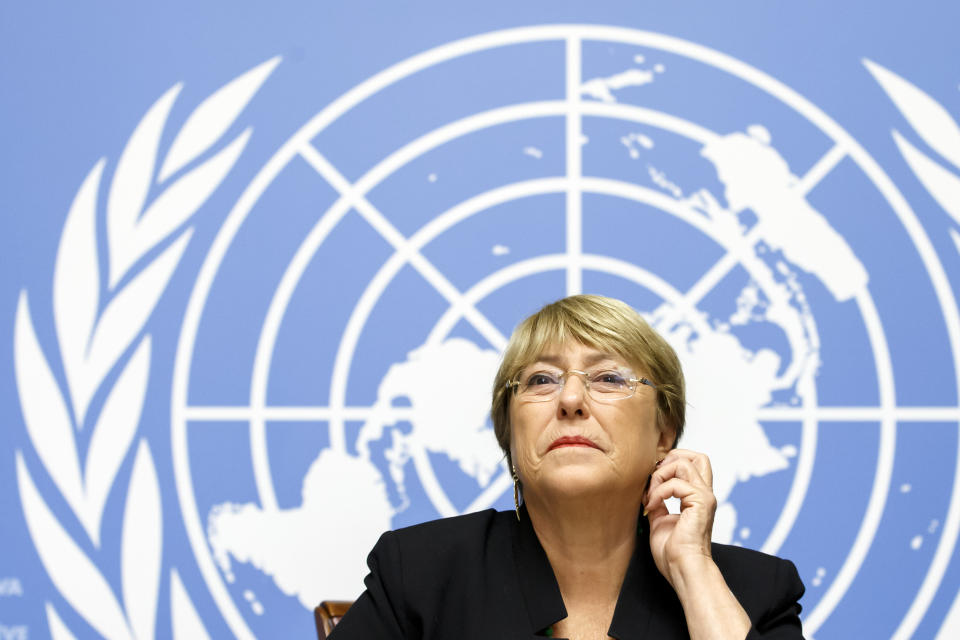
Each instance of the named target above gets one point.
<point>588,405</point>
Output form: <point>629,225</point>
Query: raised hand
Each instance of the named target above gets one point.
<point>684,538</point>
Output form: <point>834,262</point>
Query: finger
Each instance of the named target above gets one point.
<point>672,488</point>
<point>662,474</point>
<point>654,513</point>
<point>688,493</point>
<point>700,460</point>
<point>656,506</point>
<point>679,468</point>
<point>662,518</point>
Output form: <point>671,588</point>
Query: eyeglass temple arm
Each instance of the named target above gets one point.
<point>644,381</point>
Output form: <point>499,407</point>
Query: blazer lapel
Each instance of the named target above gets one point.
<point>538,584</point>
<point>647,606</point>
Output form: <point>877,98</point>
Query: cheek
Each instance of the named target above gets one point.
<point>523,432</point>
<point>642,435</point>
<point>516,430</point>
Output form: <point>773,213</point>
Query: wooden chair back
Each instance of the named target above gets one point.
<point>327,614</point>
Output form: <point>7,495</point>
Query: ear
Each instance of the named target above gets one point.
<point>667,439</point>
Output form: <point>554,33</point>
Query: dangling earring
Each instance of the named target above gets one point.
<point>647,488</point>
<point>516,491</point>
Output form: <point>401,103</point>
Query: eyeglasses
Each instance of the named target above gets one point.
<point>602,385</point>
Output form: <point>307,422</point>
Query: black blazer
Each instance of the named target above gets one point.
<point>485,575</point>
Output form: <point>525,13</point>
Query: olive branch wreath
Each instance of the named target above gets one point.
<point>937,128</point>
<point>105,353</point>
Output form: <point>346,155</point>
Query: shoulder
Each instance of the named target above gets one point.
<point>458,537</point>
<point>435,573</point>
<point>465,524</point>
<point>740,563</point>
<point>762,583</point>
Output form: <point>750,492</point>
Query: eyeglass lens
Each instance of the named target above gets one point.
<point>603,384</point>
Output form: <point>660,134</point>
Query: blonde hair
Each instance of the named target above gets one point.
<point>606,324</point>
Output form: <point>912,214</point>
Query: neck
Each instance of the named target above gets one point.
<point>589,542</point>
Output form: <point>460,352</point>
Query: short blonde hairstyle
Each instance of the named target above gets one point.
<point>605,324</point>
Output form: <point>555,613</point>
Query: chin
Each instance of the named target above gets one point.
<point>577,478</point>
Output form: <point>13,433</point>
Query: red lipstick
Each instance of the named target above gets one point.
<point>572,441</point>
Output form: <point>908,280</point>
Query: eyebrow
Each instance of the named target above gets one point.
<point>592,359</point>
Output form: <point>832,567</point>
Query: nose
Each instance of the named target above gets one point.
<point>573,397</point>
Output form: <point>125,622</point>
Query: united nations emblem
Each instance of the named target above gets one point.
<point>345,326</point>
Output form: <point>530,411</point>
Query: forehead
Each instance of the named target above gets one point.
<point>576,354</point>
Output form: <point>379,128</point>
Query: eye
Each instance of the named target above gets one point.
<point>608,378</point>
<point>541,378</point>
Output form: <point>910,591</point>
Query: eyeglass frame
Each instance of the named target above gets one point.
<point>636,382</point>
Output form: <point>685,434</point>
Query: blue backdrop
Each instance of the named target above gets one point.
<point>259,262</point>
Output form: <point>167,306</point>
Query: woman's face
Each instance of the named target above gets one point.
<point>575,445</point>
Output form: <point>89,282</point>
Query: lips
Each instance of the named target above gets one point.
<point>572,441</point>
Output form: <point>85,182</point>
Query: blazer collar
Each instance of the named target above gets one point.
<point>645,592</point>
